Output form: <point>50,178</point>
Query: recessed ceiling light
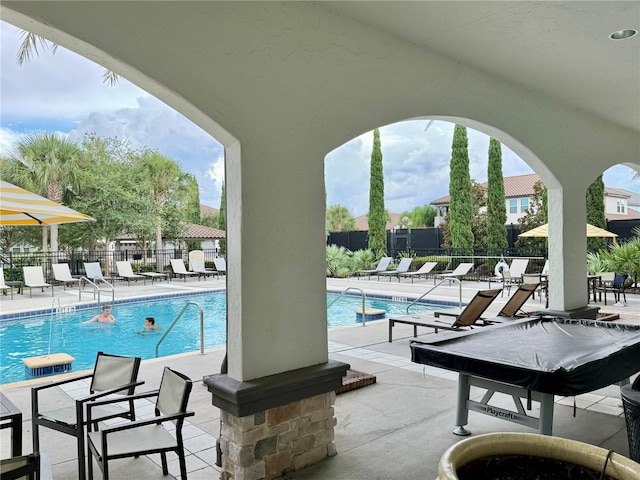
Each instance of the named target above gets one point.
<point>623,34</point>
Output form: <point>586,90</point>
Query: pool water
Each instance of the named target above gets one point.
<point>29,337</point>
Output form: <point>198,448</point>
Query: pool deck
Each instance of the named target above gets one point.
<point>396,428</point>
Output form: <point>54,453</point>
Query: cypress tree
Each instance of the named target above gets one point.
<point>496,207</point>
<point>595,213</point>
<point>222,220</point>
<point>377,215</point>
<point>460,193</point>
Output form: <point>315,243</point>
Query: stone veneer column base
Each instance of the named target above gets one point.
<point>267,444</point>
<point>276,424</point>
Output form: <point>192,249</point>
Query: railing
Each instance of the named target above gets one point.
<point>178,318</point>
<point>436,286</point>
<point>96,287</point>
<point>364,299</point>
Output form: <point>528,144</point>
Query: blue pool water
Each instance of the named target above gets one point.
<point>29,337</point>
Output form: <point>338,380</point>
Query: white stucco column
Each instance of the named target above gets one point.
<point>567,248</point>
<point>276,287</point>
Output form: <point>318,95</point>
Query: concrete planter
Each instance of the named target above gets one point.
<point>619,467</point>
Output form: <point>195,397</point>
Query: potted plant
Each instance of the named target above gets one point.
<point>491,450</point>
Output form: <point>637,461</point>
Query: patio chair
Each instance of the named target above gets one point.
<point>151,435</point>
<point>3,286</point>
<point>34,278</point>
<point>197,266</point>
<point>23,467</point>
<point>467,317</point>
<point>513,308</point>
<point>615,285</point>
<point>535,279</point>
<point>513,275</point>
<point>126,272</point>
<point>423,270</point>
<point>403,267</point>
<point>112,375</point>
<point>221,265</point>
<point>93,272</point>
<point>382,266</point>
<point>62,274</point>
<point>195,255</point>
<point>177,265</point>
<point>459,272</point>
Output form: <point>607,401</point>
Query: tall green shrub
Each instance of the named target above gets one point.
<point>222,220</point>
<point>595,213</point>
<point>496,206</point>
<point>377,214</point>
<point>460,192</point>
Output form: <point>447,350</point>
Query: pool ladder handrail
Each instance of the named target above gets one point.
<point>436,286</point>
<point>178,318</point>
<point>96,288</point>
<point>364,299</point>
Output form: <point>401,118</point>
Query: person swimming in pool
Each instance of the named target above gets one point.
<point>104,317</point>
<point>149,325</point>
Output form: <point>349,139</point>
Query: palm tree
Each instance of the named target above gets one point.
<point>49,165</point>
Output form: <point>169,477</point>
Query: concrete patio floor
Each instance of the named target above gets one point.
<point>396,428</point>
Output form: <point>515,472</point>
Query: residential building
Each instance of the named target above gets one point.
<point>518,192</point>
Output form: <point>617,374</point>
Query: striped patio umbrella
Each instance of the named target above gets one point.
<point>592,231</point>
<point>21,207</point>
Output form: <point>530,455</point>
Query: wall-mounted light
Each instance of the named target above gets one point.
<point>623,34</point>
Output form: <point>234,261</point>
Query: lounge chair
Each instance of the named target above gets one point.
<point>126,272</point>
<point>3,286</point>
<point>459,272</point>
<point>34,278</point>
<point>403,267</point>
<point>513,275</point>
<point>112,375</point>
<point>197,266</point>
<point>467,317</point>
<point>195,255</point>
<point>155,434</point>
<point>177,265</point>
<point>423,270</point>
<point>93,272</point>
<point>23,467</point>
<point>62,274</point>
<point>221,265</point>
<point>513,308</point>
<point>382,266</point>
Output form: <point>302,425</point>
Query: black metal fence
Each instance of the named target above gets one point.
<point>141,260</point>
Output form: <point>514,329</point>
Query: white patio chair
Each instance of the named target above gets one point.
<point>34,278</point>
<point>125,271</point>
<point>177,265</point>
<point>62,274</point>
<point>3,286</point>
<point>221,265</point>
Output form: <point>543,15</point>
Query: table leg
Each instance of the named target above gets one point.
<point>546,414</point>
<point>462,412</point>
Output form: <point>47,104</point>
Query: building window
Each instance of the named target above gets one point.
<point>620,206</point>
<point>524,204</point>
<point>513,206</point>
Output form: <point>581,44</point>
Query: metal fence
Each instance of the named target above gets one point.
<point>141,260</point>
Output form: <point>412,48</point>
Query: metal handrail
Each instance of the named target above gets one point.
<point>96,287</point>
<point>436,286</point>
<point>364,299</point>
<point>178,318</point>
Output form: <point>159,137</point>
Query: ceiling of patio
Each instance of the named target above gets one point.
<point>561,49</point>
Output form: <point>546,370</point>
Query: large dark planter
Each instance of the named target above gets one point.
<point>618,467</point>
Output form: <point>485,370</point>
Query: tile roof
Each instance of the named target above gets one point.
<point>362,222</point>
<point>522,186</point>
<point>200,232</point>
<point>630,215</point>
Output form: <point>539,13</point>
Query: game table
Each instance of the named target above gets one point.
<point>533,359</point>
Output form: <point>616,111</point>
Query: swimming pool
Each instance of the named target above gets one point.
<point>29,337</point>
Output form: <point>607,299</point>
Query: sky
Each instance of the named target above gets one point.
<point>65,93</point>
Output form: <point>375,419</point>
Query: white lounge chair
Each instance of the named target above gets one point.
<point>423,270</point>
<point>221,265</point>
<point>197,266</point>
<point>34,278</point>
<point>383,264</point>
<point>93,272</point>
<point>62,274</point>
<point>3,286</point>
<point>177,265</point>
<point>460,271</point>
<point>403,267</point>
<point>125,271</point>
